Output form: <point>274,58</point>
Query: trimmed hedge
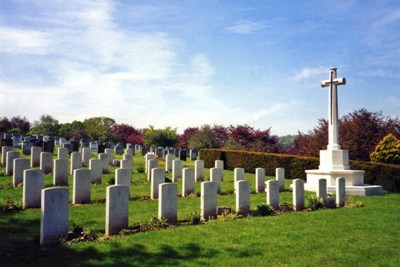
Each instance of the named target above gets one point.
<point>387,175</point>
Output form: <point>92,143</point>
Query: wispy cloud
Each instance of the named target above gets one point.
<point>308,72</point>
<point>245,27</point>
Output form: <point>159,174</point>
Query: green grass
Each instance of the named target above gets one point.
<point>367,236</point>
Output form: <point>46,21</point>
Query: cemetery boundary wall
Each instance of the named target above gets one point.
<point>387,175</point>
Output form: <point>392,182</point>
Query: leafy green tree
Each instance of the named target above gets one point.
<point>205,137</point>
<point>47,125</point>
<point>160,137</point>
<point>387,150</point>
<point>75,129</point>
<point>99,128</point>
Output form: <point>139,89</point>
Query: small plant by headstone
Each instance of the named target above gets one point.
<point>140,169</point>
<point>194,218</point>
<point>353,203</point>
<point>264,210</point>
<point>315,203</point>
<point>157,223</point>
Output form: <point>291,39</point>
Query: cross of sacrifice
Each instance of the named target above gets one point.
<point>333,82</point>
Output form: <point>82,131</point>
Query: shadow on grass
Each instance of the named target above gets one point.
<point>19,246</point>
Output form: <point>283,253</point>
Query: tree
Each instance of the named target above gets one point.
<point>74,130</point>
<point>5,124</point>
<point>205,137</point>
<point>387,150</point>
<point>160,137</point>
<point>99,128</point>
<point>47,125</point>
<point>221,134</point>
<point>20,123</point>
<point>183,140</point>
<point>127,134</point>
<point>359,132</point>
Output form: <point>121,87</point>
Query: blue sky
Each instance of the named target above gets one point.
<point>189,63</point>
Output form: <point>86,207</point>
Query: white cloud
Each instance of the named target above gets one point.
<point>307,73</point>
<point>20,41</point>
<point>244,27</point>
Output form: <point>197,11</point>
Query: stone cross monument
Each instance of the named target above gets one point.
<point>334,162</point>
<point>332,83</point>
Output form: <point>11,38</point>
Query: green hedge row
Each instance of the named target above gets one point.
<point>386,175</point>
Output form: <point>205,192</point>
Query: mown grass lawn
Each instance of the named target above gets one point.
<point>367,236</point>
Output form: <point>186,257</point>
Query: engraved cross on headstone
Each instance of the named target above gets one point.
<point>333,82</point>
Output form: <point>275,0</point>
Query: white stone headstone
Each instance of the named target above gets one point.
<point>62,153</point>
<point>95,165</point>
<point>242,197</point>
<point>260,180</point>
<point>238,175</point>
<point>60,174</point>
<point>35,156</point>
<point>208,200</point>
<point>187,182</point>
<point>158,177</point>
<point>4,151</point>
<point>199,170</point>
<point>176,170</point>
<point>147,157</point>
<point>110,154</point>
<point>340,191</point>
<point>220,164</point>
<point>168,162</point>
<point>216,176</point>
<point>298,194</point>
<point>280,177</point>
<point>82,181</point>
<point>10,156</point>
<point>76,161</point>
<point>20,165</point>
<point>54,215</point>
<point>104,162</point>
<point>151,164</point>
<point>46,162</point>
<point>117,208</point>
<point>86,156</point>
<point>167,202</point>
<point>31,191</point>
<point>123,177</point>
<point>322,189</point>
<point>273,194</point>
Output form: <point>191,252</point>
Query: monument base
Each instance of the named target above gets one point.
<point>354,182</point>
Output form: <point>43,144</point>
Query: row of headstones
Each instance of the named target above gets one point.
<point>33,183</point>
<point>44,160</point>
<point>160,152</point>
<point>54,220</point>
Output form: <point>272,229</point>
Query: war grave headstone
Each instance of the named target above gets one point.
<point>272,189</point>
<point>158,177</point>
<point>46,162</point>
<point>10,156</point>
<point>167,202</point>
<point>76,161</point>
<point>199,170</point>
<point>298,194</point>
<point>4,151</point>
<point>95,165</point>
<point>20,165</point>
<point>54,215</point>
<point>33,183</point>
<point>35,156</point>
<point>60,174</point>
<point>208,200</point>
<point>176,170</point>
<point>242,197</point>
<point>260,180</point>
<point>117,209</point>
<point>187,182</point>
<point>81,186</point>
